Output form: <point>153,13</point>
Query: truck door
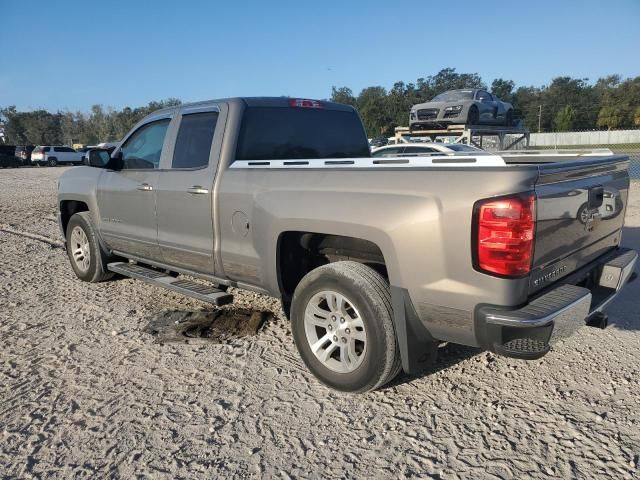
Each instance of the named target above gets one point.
<point>127,197</point>
<point>185,191</point>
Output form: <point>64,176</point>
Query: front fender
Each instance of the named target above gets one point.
<point>80,184</point>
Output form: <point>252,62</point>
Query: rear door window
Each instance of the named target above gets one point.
<point>280,133</point>
<point>193,143</point>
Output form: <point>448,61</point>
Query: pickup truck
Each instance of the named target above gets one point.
<point>376,260</point>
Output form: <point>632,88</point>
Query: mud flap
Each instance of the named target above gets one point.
<point>417,347</point>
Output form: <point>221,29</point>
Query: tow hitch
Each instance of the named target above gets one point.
<point>598,320</point>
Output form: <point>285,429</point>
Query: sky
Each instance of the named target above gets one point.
<point>69,55</point>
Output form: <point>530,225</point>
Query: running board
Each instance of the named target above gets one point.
<point>203,292</point>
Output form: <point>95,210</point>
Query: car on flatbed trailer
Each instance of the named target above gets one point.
<point>469,106</point>
<point>376,260</point>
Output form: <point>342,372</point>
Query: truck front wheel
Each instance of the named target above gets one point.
<point>88,259</point>
<point>342,323</point>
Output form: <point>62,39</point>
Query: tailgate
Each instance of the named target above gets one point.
<point>580,214</point>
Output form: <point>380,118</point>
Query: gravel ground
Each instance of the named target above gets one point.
<point>85,391</point>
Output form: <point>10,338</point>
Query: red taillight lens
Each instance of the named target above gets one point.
<point>302,103</point>
<point>505,234</point>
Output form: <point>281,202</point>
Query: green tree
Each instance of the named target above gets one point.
<point>574,92</point>
<point>449,79</point>
<point>611,117</point>
<point>636,117</point>
<point>343,95</point>
<point>528,101</point>
<point>564,119</point>
<point>503,89</point>
<point>373,107</point>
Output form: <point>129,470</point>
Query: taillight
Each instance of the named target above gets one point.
<point>504,230</point>
<point>302,103</point>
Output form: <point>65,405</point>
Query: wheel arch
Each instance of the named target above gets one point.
<point>68,208</point>
<point>300,251</point>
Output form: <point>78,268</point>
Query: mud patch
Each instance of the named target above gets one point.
<point>219,326</point>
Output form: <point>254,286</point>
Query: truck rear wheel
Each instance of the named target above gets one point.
<point>342,323</point>
<point>88,258</point>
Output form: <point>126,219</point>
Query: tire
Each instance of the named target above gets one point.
<point>94,267</point>
<point>508,119</point>
<point>52,162</point>
<point>367,333</point>
<point>583,213</point>
<point>473,117</point>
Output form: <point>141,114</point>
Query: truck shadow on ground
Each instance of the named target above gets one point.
<point>211,326</point>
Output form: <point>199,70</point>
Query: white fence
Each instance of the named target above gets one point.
<point>597,137</point>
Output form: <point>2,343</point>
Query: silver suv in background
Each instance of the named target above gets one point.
<point>55,155</point>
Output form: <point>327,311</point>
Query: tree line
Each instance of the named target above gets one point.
<point>565,104</point>
<point>101,124</point>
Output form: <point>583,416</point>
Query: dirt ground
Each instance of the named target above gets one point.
<point>87,391</point>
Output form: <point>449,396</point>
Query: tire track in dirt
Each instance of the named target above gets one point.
<point>33,236</point>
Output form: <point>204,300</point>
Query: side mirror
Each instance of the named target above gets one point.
<point>96,157</point>
<point>114,162</point>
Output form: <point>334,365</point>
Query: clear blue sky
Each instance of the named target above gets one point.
<point>71,54</point>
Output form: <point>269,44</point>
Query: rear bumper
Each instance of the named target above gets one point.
<point>528,332</point>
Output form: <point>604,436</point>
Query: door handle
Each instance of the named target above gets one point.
<point>145,187</point>
<point>197,190</point>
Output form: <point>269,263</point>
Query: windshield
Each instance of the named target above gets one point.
<point>454,95</point>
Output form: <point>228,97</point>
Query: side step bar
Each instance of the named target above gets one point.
<point>206,293</point>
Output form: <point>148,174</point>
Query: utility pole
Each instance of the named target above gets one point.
<point>539,117</point>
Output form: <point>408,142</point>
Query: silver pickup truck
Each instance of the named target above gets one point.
<point>376,260</point>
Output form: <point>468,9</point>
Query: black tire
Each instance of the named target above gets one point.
<point>52,162</point>
<point>583,213</point>
<point>508,118</point>
<point>97,271</point>
<point>473,117</point>
<point>369,293</point>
